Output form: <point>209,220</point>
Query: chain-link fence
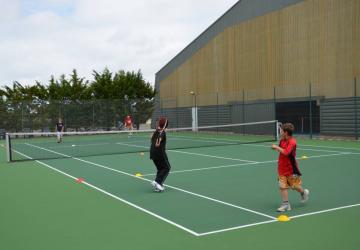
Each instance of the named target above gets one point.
<point>42,115</point>
<point>315,110</point>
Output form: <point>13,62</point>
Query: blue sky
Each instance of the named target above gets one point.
<point>40,38</point>
<point>61,8</point>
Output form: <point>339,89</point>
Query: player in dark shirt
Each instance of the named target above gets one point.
<point>59,130</point>
<point>158,154</point>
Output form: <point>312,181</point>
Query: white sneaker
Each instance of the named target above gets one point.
<point>153,183</point>
<point>284,207</point>
<point>305,196</point>
<point>159,187</point>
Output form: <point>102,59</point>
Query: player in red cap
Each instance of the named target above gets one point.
<point>158,154</point>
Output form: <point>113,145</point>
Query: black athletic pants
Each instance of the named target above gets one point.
<point>163,168</point>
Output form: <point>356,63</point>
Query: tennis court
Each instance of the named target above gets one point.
<point>212,191</point>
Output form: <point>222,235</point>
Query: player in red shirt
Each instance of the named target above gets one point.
<point>288,169</point>
<point>128,123</point>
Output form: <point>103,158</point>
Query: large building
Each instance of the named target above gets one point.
<point>291,60</point>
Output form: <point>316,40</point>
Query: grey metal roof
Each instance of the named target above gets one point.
<point>243,10</point>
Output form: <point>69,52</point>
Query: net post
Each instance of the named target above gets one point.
<point>8,147</point>
<point>277,128</point>
<point>196,114</point>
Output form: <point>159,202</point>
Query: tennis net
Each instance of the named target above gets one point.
<point>43,145</point>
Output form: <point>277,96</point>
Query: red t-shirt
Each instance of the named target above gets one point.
<point>128,122</point>
<point>287,164</point>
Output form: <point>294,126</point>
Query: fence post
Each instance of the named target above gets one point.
<point>355,113</point>
<point>243,110</point>
<point>276,126</point>
<point>176,111</point>
<point>93,114</point>
<point>217,108</point>
<point>107,114</point>
<point>22,116</point>
<point>310,112</point>
<point>161,106</point>
<point>59,103</point>
<point>274,103</point>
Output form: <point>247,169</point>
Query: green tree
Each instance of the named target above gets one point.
<point>129,92</point>
<point>103,102</point>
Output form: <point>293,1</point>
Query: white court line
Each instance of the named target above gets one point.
<point>173,187</point>
<point>271,221</point>
<point>215,167</point>
<point>197,139</point>
<point>324,211</point>
<point>253,145</point>
<point>114,196</point>
<point>307,145</point>
<point>212,139</point>
<point>190,153</point>
<point>238,227</point>
<point>245,164</point>
<point>186,229</point>
<point>80,145</point>
<point>212,156</point>
<point>299,148</point>
<point>247,144</point>
<point>236,142</point>
<point>132,145</point>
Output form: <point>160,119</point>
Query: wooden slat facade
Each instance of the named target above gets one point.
<point>314,41</point>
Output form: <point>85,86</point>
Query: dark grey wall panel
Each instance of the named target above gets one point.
<point>259,112</point>
<point>337,116</point>
<point>218,115</point>
<point>254,112</point>
<point>213,115</point>
<point>178,117</point>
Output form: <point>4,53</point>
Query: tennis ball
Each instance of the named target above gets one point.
<point>142,153</point>
<point>73,145</point>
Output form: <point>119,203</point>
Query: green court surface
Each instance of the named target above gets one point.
<point>221,197</point>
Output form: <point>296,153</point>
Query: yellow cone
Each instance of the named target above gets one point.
<point>304,157</point>
<point>283,218</point>
<point>138,174</point>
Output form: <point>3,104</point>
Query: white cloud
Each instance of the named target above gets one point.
<point>45,37</point>
<point>9,10</point>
